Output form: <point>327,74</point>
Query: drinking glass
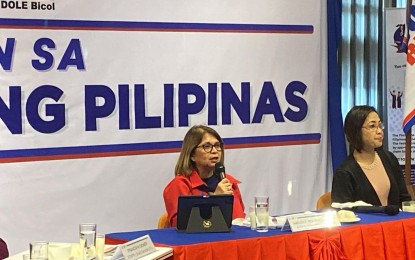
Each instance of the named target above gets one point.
<point>87,238</point>
<point>261,212</point>
<point>100,244</point>
<point>39,250</point>
<point>252,217</point>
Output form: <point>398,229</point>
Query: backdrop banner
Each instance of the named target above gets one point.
<point>409,106</point>
<point>395,68</point>
<point>96,97</point>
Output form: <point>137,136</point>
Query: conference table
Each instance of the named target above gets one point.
<point>375,236</point>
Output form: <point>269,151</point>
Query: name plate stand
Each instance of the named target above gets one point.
<point>135,249</point>
<point>310,221</point>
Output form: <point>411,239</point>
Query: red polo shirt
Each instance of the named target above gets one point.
<point>194,185</point>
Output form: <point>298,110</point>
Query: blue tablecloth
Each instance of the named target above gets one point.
<point>172,237</point>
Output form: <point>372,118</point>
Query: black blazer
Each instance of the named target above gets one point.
<point>351,184</point>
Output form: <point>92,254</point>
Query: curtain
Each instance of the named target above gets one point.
<point>360,49</point>
<point>360,70</point>
<point>337,139</point>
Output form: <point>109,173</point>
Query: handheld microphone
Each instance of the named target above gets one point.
<point>389,210</point>
<point>219,170</point>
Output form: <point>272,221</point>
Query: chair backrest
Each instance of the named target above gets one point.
<point>163,221</point>
<point>324,201</point>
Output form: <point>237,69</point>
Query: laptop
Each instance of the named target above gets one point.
<point>199,214</point>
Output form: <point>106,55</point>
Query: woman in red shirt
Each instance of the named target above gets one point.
<point>202,148</point>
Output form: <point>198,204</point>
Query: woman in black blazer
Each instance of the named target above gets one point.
<point>370,173</point>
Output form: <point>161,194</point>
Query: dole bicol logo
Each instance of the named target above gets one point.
<point>47,5</point>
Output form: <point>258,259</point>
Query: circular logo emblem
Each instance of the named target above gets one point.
<point>207,224</point>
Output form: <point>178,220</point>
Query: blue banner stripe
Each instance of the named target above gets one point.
<point>271,139</point>
<point>94,149</point>
<point>409,125</point>
<point>118,25</point>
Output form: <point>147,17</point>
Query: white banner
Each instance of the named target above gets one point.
<point>96,98</point>
<point>395,68</point>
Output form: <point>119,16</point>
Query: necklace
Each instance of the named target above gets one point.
<point>372,165</point>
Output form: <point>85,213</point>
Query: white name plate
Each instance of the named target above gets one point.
<point>135,249</point>
<point>310,221</point>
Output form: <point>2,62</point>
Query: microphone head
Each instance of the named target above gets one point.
<point>219,170</point>
<point>392,210</point>
<point>389,210</point>
<point>219,167</point>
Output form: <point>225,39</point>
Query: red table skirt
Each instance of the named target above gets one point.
<point>393,240</point>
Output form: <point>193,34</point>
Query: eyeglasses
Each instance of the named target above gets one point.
<point>374,127</point>
<point>209,147</point>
